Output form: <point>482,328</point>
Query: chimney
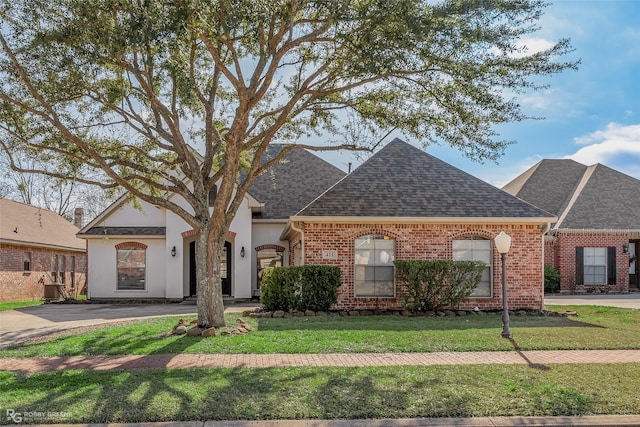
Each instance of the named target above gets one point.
<point>78,217</point>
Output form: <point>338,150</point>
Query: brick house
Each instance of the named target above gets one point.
<point>405,204</point>
<point>594,242</point>
<point>38,248</point>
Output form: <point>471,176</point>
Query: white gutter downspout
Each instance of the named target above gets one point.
<point>301,231</point>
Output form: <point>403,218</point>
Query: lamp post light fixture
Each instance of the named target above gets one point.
<point>503,243</point>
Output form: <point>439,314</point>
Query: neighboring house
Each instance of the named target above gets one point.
<point>405,204</point>
<point>38,248</point>
<point>400,204</point>
<point>597,236</point>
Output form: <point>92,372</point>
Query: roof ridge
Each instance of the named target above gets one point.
<point>578,190</point>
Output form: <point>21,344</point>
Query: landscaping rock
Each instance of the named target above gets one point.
<point>461,313</point>
<point>366,313</point>
<point>279,314</point>
<point>309,313</point>
<point>450,313</point>
<point>179,330</point>
<point>298,314</point>
<point>209,333</point>
<point>342,313</point>
<point>195,331</point>
<point>354,313</point>
<point>322,314</point>
<point>244,324</point>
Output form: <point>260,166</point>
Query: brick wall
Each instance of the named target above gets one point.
<point>17,284</point>
<point>433,241</point>
<point>565,256</point>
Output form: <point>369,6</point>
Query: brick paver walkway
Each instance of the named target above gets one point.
<point>536,359</point>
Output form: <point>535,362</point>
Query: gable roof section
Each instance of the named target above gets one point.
<point>609,200</point>
<point>290,185</point>
<point>403,181</point>
<point>584,198</point>
<point>22,224</point>
<point>548,184</point>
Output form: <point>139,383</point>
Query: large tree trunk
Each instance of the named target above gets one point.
<point>209,285</point>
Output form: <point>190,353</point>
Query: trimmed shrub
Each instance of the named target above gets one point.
<point>435,284</point>
<point>551,279</point>
<point>305,287</point>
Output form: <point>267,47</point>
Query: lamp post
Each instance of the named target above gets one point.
<point>503,243</point>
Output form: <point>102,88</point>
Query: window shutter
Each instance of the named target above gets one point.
<point>579,265</point>
<point>213,192</point>
<point>611,265</point>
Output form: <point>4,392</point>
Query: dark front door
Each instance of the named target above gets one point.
<point>192,269</point>
<point>225,267</point>
<point>634,265</point>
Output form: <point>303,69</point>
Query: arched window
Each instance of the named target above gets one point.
<point>132,266</point>
<point>374,269</point>
<point>476,248</point>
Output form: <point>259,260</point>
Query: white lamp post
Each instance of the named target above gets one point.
<point>503,243</point>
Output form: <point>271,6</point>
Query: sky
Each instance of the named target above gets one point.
<point>591,115</point>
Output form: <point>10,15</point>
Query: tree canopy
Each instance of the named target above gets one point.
<point>165,97</point>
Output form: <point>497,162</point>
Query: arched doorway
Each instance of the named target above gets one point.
<point>225,273</point>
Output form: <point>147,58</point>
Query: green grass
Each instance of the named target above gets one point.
<point>593,328</point>
<point>326,393</point>
<point>19,304</point>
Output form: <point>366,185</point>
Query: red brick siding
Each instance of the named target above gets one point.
<point>432,241</point>
<point>565,256</point>
<point>16,284</point>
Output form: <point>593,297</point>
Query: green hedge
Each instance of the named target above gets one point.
<point>551,279</point>
<point>434,284</point>
<point>305,287</point>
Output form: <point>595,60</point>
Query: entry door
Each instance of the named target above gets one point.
<point>225,266</point>
<point>225,269</point>
<point>634,265</point>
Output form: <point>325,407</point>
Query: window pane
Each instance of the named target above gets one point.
<point>374,270</point>
<point>384,274</point>
<point>476,249</point>
<point>131,268</point>
<point>26,261</point>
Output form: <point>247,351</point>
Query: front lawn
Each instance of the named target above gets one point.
<point>593,328</point>
<point>327,393</point>
<point>19,304</point>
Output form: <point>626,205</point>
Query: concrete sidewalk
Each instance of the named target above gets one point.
<point>537,359</point>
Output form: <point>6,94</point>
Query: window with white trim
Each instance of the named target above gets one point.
<point>374,269</point>
<point>595,266</point>
<point>131,267</point>
<point>476,248</point>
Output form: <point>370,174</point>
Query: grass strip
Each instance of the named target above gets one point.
<point>322,393</point>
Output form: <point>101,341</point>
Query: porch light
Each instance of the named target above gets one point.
<point>625,248</point>
<point>173,251</point>
<point>503,244</point>
<point>242,252</point>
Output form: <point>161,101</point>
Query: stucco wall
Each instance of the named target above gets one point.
<point>17,284</point>
<point>433,241</point>
<point>102,281</point>
<point>266,233</point>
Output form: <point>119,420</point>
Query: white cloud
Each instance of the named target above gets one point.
<point>533,45</point>
<point>610,144</point>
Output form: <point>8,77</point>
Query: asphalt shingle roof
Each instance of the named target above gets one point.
<point>603,198</point>
<point>126,231</point>
<point>290,185</point>
<point>404,181</point>
<point>25,224</point>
